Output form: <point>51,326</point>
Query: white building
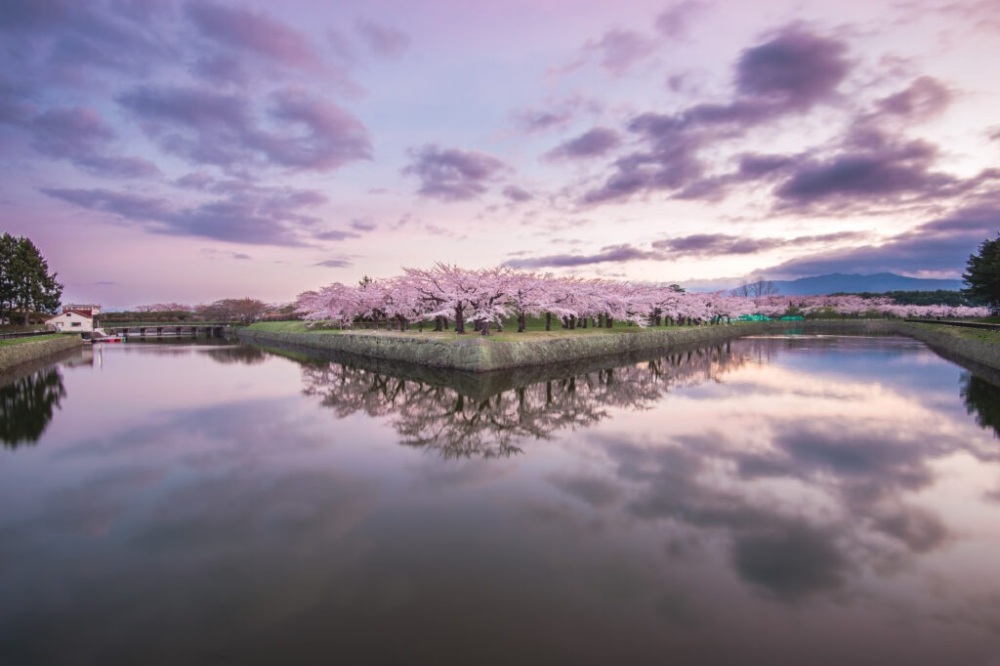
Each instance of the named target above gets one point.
<point>91,309</point>
<point>72,321</point>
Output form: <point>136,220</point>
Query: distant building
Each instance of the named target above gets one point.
<point>75,319</point>
<point>89,309</point>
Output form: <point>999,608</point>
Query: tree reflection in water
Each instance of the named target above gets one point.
<point>491,415</point>
<point>982,399</point>
<point>27,405</point>
<point>237,354</point>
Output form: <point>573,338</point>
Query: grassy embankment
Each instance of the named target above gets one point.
<point>18,352</point>
<point>534,330</point>
<point>536,346</point>
<point>36,338</point>
<point>960,333</point>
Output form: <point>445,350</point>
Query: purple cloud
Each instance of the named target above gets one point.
<point>696,245</point>
<point>925,98</point>
<point>537,121</point>
<point>790,73</point>
<point>207,127</point>
<point>29,15</point>
<point>200,182</point>
<point>670,162</point>
<point>753,166</point>
<point>220,69</point>
<point>618,50</point>
<point>15,109</point>
<point>556,115</point>
<point>887,172</point>
<point>333,136</point>
<point>257,216</point>
<point>66,37</point>
<point>232,220</point>
<point>593,143</point>
<point>336,235</point>
<point>383,40</point>
<point>873,162</point>
<point>716,244</point>
<point>117,167</point>
<point>250,31</point>
<point>340,45</point>
<point>675,22</point>
<point>69,132</point>
<point>363,225</point>
<point>452,174</point>
<point>131,206</point>
<point>612,254</point>
<point>202,126</point>
<point>517,194</point>
<point>794,69</point>
<point>334,263</point>
<point>940,245</point>
<point>81,136</point>
<point>725,244</point>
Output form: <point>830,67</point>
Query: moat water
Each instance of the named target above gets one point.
<point>799,500</point>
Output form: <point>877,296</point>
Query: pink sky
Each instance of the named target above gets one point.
<point>192,151</point>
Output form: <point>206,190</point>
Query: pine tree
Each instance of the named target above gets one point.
<point>982,274</point>
<point>25,281</point>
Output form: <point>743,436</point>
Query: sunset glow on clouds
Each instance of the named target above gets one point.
<point>190,151</point>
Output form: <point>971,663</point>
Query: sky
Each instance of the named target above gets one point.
<point>196,150</point>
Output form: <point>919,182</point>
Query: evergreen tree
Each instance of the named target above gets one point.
<point>25,282</point>
<point>8,245</point>
<point>982,274</point>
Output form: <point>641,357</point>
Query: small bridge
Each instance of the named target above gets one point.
<point>156,330</point>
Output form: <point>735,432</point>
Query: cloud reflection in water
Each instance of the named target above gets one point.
<point>769,500</point>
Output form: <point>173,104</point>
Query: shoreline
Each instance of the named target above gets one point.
<point>476,354</point>
<point>978,356</point>
<point>13,357</point>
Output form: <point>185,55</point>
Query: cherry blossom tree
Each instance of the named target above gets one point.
<point>489,296</point>
<point>528,296</point>
<point>338,303</point>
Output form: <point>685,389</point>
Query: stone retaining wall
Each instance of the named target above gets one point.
<point>12,356</point>
<point>980,356</point>
<point>478,354</point>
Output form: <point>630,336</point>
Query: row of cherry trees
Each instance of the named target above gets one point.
<point>489,297</point>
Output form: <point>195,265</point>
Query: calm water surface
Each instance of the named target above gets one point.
<point>822,500</point>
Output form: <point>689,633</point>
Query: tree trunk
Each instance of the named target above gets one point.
<point>548,321</point>
<point>521,323</point>
<point>459,319</point>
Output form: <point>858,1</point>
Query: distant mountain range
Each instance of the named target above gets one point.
<point>876,283</point>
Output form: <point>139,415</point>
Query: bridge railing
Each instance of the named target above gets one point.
<point>111,323</point>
